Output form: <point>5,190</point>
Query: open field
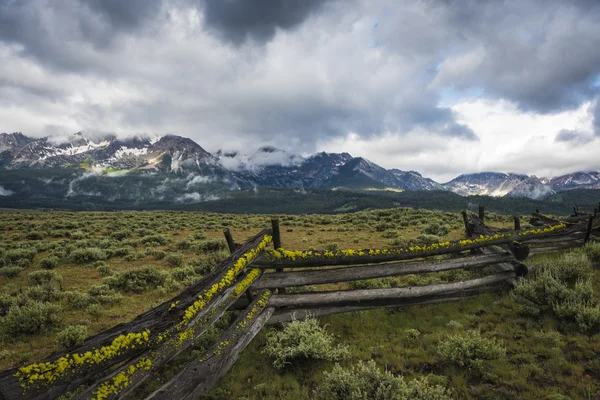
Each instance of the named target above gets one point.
<point>106,268</point>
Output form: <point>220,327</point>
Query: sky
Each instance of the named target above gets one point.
<point>443,87</point>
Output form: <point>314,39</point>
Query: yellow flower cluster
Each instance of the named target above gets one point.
<point>279,254</point>
<point>183,336</point>
<point>48,372</point>
<point>246,282</point>
<point>226,281</point>
<point>259,306</point>
<point>121,381</point>
<point>547,229</point>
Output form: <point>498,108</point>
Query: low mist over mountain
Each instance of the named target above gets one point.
<point>174,168</point>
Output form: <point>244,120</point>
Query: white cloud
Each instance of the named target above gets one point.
<point>5,192</point>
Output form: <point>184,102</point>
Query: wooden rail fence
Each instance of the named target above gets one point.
<point>115,363</point>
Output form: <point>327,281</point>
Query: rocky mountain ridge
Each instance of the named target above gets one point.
<point>192,166</point>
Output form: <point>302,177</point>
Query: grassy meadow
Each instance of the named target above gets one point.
<point>68,275</point>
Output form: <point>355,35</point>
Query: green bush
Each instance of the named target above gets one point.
<point>14,255</point>
<point>35,235</point>
<point>425,238</point>
<point>209,245</point>
<point>88,255</point>
<point>302,340</point>
<point>71,336</point>
<point>10,272</point>
<point>377,283</point>
<point>470,349</point>
<point>154,239</point>
<point>436,229</point>
<point>592,250</point>
<point>31,318</point>
<point>122,234</point>
<point>174,259</point>
<point>563,287</point>
<point>50,262</point>
<point>137,280</point>
<point>42,277</point>
<point>365,381</point>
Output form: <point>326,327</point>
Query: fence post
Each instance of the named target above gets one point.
<point>277,244</point>
<point>517,223</point>
<point>537,210</point>
<point>481,212</point>
<point>575,211</point>
<point>467,225</point>
<point>231,245</point>
<point>229,238</point>
<point>589,230</point>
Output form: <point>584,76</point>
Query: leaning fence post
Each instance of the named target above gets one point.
<point>229,238</point>
<point>277,244</point>
<point>589,229</point>
<point>481,212</point>
<point>467,225</point>
<point>575,212</point>
<point>517,223</point>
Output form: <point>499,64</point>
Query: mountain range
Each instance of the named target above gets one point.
<point>177,168</point>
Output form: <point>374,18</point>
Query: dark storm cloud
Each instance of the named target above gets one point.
<point>125,14</point>
<point>540,54</point>
<point>237,20</point>
<point>59,33</point>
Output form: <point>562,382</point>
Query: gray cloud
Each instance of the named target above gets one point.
<point>238,20</point>
<point>233,73</point>
<point>573,137</point>
<point>540,54</point>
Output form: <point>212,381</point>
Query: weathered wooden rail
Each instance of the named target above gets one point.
<point>117,362</point>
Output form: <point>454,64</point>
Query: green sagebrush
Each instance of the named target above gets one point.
<point>303,340</point>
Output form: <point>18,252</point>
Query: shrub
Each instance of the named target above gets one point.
<point>122,234</point>
<point>198,236</point>
<point>158,254</point>
<point>72,335</point>
<point>121,252</point>
<point>95,310</point>
<point>425,238</point>
<point>154,239</point>
<point>436,229</point>
<point>563,287</point>
<point>183,244</point>
<point>31,318</point>
<point>174,259</point>
<point>136,280</point>
<point>302,340</point>
<point>103,270</point>
<point>34,235</point>
<point>13,255</point>
<point>389,234</point>
<point>42,277</point>
<point>592,250</point>
<point>50,262</point>
<point>183,274</point>
<point>88,255</point>
<point>208,245</point>
<point>333,247</point>
<point>77,299</point>
<point>365,381</point>
<point>470,349</point>
<point>411,337</point>
<point>10,272</point>
<point>103,294</point>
